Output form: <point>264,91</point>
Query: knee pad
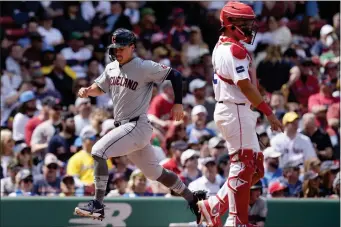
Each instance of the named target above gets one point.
<point>97,151</point>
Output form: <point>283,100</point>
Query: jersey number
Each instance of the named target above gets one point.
<point>215,81</point>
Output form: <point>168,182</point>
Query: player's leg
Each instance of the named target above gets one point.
<point>237,125</point>
<point>146,160</point>
<point>117,142</point>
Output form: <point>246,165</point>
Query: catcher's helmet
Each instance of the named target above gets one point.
<point>120,38</point>
<point>239,19</point>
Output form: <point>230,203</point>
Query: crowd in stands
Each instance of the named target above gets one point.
<point>50,49</point>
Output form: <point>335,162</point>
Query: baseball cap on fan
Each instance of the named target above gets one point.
<point>290,117</point>
<point>198,109</point>
<point>107,125</point>
<point>216,142</point>
<point>196,84</point>
<point>270,152</point>
<point>190,153</point>
<point>276,186</point>
<point>80,101</point>
<point>326,30</point>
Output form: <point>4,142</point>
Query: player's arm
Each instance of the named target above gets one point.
<point>99,87</point>
<point>176,79</point>
<point>252,94</point>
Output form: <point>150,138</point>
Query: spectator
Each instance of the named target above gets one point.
<point>72,20</point>
<point>24,157</point>
<point>82,119</point>
<point>137,185</point>
<point>161,105</point>
<point>336,24</point>
<point>257,206</point>
<point>67,186</point>
<point>92,10</point>
<point>319,138</point>
<point>49,183</point>
<point>147,28</point>
<point>43,133</point>
<point>313,165</point>
<point>60,143</point>
<point>277,189</point>
<point>271,166</point>
<point>76,54</point>
<point>194,48</point>
<point>24,184</point>
<point>7,145</point>
<point>131,11</point>
<point>9,101</point>
<point>26,110</point>
<point>223,165</point>
<point>323,98</point>
<point>279,34</point>
<point>117,19</point>
<point>329,170</point>
<point>13,64</point>
<point>216,146</point>
<point>311,185</point>
<point>198,127</point>
<point>120,167</point>
<point>189,161</point>
<point>81,164</point>
<point>62,77</point>
<point>293,145</point>
<point>34,53</point>
<point>277,103</point>
<point>119,183</point>
<point>52,36</point>
<point>98,118</point>
<point>198,88</point>
<point>290,177</point>
<point>306,85</point>
<point>43,115</point>
<point>210,181</point>
<point>179,32</point>
<point>7,184</point>
<point>174,162</point>
<point>336,187</point>
<point>273,62</point>
<point>321,45</point>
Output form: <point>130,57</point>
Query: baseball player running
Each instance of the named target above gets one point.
<point>235,91</point>
<point>129,81</point>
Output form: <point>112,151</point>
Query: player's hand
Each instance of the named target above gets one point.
<point>178,112</point>
<point>275,124</point>
<point>83,92</point>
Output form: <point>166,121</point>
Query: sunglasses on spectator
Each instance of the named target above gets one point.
<point>92,138</point>
<point>52,166</point>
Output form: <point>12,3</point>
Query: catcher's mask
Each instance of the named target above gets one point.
<point>120,38</point>
<point>240,20</point>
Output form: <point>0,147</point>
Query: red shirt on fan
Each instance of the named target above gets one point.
<point>161,107</point>
<point>29,128</point>
<point>172,165</point>
<point>320,99</point>
<point>302,90</point>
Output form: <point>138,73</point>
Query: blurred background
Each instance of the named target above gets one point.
<point>50,49</point>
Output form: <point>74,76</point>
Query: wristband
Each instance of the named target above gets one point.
<point>264,108</point>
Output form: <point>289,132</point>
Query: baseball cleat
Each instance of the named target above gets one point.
<point>210,215</point>
<point>198,196</point>
<point>93,209</point>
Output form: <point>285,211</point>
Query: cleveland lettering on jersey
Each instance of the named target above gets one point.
<point>124,82</point>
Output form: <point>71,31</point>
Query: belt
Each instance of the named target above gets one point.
<point>119,123</point>
<point>238,104</point>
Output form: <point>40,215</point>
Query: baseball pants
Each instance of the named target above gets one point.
<point>131,139</point>
<point>237,123</point>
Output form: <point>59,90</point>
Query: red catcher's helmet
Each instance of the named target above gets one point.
<point>239,19</point>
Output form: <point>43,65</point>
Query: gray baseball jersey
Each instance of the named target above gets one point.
<point>130,86</point>
<point>258,211</point>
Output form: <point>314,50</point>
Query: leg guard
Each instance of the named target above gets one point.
<point>238,187</point>
<point>259,167</point>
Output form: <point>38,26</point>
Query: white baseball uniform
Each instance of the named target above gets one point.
<point>233,116</point>
<point>130,87</point>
